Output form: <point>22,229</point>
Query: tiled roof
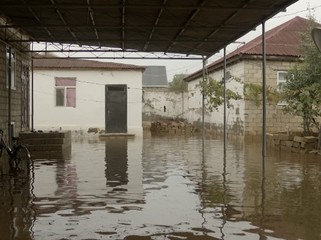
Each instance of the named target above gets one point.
<point>63,63</point>
<point>281,41</point>
<point>155,76</point>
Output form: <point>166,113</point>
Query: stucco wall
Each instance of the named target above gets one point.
<point>161,102</point>
<point>90,99</point>
<point>235,114</point>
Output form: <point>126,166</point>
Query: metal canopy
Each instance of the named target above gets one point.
<point>189,27</point>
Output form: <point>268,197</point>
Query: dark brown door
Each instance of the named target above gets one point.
<point>116,109</point>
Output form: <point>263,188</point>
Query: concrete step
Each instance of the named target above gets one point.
<point>47,145</point>
<point>44,141</point>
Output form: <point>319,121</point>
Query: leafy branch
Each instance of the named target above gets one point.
<point>253,92</point>
<point>214,94</point>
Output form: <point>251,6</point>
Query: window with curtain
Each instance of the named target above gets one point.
<point>65,91</point>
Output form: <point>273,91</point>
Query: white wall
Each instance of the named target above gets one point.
<point>235,115</point>
<point>90,99</point>
<point>155,99</point>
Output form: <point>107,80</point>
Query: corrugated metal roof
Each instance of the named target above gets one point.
<point>193,27</point>
<point>155,76</point>
<point>281,41</point>
<point>63,63</point>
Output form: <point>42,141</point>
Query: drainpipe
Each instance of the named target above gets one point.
<point>263,94</point>
<point>224,96</point>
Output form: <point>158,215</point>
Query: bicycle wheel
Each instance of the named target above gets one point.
<point>22,160</point>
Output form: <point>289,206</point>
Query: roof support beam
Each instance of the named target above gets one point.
<point>65,40</point>
<point>134,6</point>
<point>123,22</point>
<point>34,14</point>
<point>160,12</point>
<point>224,23</point>
<point>187,23</point>
<point>112,27</point>
<point>65,23</point>
<point>91,14</point>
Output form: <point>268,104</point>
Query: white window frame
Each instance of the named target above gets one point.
<point>65,88</point>
<point>12,69</point>
<point>279,81</point>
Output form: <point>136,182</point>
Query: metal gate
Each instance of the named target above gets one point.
<point>116,109</point>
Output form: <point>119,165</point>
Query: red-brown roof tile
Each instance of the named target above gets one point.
<point>281,41</point>
<point>63,63</point>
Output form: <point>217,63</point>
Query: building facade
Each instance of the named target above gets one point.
<point>244,66</point>
<point>74,94</point>
<point>14,81</point>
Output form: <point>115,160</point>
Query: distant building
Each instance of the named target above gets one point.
<point>72,94</point>
<point>159,102</point>
<point>155,76</point>
<point>245,63</point>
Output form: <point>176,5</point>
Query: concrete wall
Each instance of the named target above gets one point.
<point>215,120</point>
<point>90,99</point>
<point>162,103</point>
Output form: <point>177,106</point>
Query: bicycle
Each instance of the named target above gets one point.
<point>19,156</point>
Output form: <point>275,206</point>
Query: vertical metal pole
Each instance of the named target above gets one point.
<point>263,94</point>
<point>9,93</point>
<point>203,100</point>
<point>32,97</point>
<point>224,96</point>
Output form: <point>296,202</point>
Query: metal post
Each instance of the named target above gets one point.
<point>203,99</point>
<point>9,93</point>
<point>32,97</point>
<point>263,93</point>
<point>224,96</point>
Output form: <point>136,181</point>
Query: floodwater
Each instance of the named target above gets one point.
<point>165,188</point>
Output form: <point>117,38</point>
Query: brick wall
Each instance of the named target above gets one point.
<point>276,120</point>
<point>22,59</point>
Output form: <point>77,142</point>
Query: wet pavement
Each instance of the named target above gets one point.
<point>166,187</point>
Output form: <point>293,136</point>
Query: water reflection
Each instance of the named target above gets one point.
<point>165,188</point>
<point>116,161</point>
<point>16,213</point>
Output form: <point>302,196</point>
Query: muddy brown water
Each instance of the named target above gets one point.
<point>165,188</point>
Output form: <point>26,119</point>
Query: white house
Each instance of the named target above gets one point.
<point>72,94</point>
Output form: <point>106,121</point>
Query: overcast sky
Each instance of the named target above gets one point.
<point>301,8</point>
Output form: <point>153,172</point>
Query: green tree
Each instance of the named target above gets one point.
<point>302,89</point>
<point>214,94</point>
<point>253,92</point>
<point>178,84</point>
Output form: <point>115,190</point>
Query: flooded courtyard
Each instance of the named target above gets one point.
<point>165,187</point>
